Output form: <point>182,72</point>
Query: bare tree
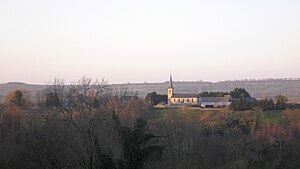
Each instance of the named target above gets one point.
<point>126,105</point>
<point>83,105</point>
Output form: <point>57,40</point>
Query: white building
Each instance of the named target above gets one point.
<point>196,99</point>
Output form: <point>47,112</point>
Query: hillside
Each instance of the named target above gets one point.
<point>257,88</point>
<point>6,87</point>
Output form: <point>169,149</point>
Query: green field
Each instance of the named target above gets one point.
<point>275,117</point>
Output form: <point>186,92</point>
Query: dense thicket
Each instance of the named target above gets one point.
<point>155,98</point>
<point>239,92</point>
<point>235,93</point>
<point>213,94</point>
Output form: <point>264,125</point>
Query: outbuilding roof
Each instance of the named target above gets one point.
<point>214,99</point>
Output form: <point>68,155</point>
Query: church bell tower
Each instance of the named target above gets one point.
<point>170,90</point>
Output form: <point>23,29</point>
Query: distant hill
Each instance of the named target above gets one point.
<point>257,88</point>
<point>6,87</point>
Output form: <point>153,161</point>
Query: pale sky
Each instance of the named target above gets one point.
<point>146,40</point>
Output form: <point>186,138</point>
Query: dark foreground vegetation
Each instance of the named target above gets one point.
<point>87,126</point>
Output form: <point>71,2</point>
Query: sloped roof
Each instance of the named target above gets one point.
<point>214,99</point>
<point>185,96</point>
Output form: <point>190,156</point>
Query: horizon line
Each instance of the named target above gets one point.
<point>182,81</point>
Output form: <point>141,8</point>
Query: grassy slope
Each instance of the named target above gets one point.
<point>275,117</point>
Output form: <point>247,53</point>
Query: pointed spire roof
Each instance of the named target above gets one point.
<point>171,82</point>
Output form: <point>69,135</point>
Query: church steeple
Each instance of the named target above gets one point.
<point>171,82</point>
<point>170,90</point>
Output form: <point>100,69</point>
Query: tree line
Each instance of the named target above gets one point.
<point>85,125</point>
<point>242,100</point>
<point>155,98</point>
<point>81,125</point>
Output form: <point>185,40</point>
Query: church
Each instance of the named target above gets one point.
<point>196,99</point>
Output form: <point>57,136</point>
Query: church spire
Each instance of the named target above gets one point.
<point>170,90</point>
<point>171,82</point>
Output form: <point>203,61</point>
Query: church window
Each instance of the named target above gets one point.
<point>188,100</point>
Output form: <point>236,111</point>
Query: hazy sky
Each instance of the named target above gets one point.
<point>145,40</point>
